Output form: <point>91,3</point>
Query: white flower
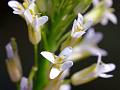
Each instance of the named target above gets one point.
<point>88,45</point>
<point>16,6</point>
<point>108,13</point>
<point>35,20</point>
<point>24,84</point>
<point>20,8</point>
<point>79,28</point>
<point>59,63</point>
<point>102,68</point>
<point>92,72</point>
<point>65,87</point>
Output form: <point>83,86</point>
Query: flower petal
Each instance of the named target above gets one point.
<point>105,76</point>
<point>15,5</point>
<point>95,2</point>
<point>18,12</point>
<point>74,27</point>
<point>104,21</point>
<point>66,65</point>
<point>65,87</point>
<point>112,17</point>
<point>9,50</point>
<point>54,73</point>
<point>24,83</point>
<point>80,19</point>
<point>42,20</point>
<point>66,52</point>
<point>78,34</point>
<point>92,37</point>
<point>66,73</point>
<point>87,25</point>
<point>39,21</point>
<point>108,4</point>
<point>104,68</point>
<point>32,7</point>
<point>28,16</point>
<point>95,51</point>
<point>49,56</point>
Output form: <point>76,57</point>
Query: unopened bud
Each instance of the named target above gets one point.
<point>13,61</point>
<point>84,76</point>
<point>13,70</point>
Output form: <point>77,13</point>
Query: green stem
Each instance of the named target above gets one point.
<point>31,75</point>
<point>36,55</point>
<point>42,75</point>
<point>18,86</point>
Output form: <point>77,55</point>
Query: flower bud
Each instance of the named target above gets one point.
<point>84,76</point>
<point>13,61</point>
<point>13,70</point>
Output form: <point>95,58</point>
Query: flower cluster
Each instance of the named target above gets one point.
<point>50,69</point>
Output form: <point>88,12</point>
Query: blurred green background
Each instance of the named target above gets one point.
<point>14,26</point>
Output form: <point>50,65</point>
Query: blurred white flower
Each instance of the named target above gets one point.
<point>35,20</point>
<point>65,87</point>
<point>108,13</point>
<point>59,63</point>
<point>20,8</point>
<point>95,2</point>
<point>24,84</point>
<point>102,68</point>
<point>92,72</point>
<point>16,6</point>
<point>28,12</point>
<point>79,27</point>
<point>88,45</point>
<point>35,23</point>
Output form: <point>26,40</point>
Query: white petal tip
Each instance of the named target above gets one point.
<point>105,76</point>
<point>12,3</point>
<point>48,55</point>
<point>66,52</point>
<point>54,73</point>
<point>67,65</point>
<point>65,87</point>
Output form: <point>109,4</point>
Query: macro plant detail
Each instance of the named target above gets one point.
<point>48,23</point>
